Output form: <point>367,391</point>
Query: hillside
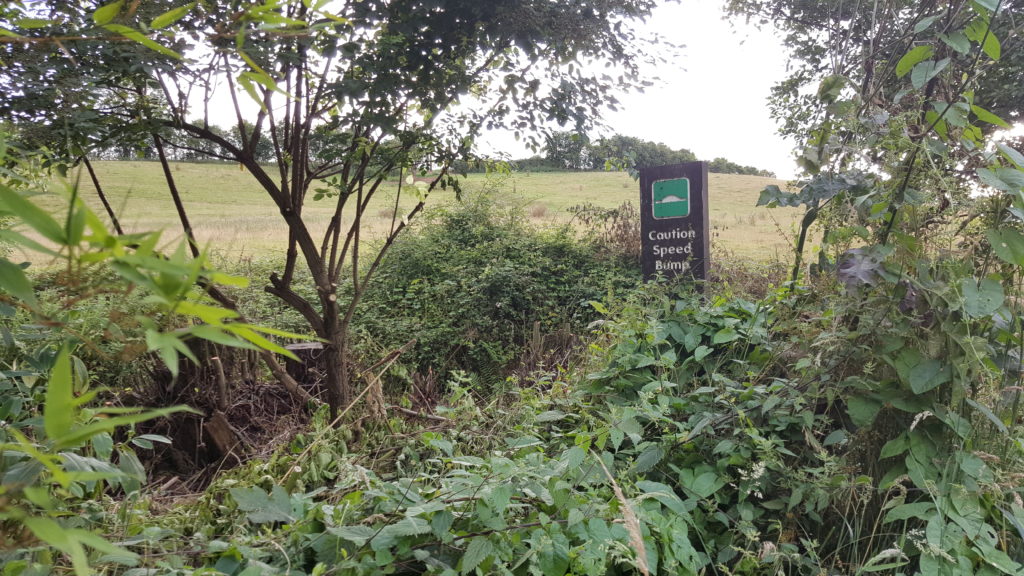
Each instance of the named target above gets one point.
<point>229,211</point>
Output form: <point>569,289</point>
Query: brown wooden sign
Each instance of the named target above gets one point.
<point>674,221</point>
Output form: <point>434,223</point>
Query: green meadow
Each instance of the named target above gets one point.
<point>229,211</point>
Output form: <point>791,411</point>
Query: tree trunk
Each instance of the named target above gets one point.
<point>339,388</point>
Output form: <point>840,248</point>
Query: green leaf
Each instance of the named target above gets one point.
<point>957,41</point>
<point>986,116</point>
<point>59,410</point>
<point>987,413</point>
<point>920,372</point>
<point>64,540</point>
<point>105,14</point>
<point>991,47</point>
<point>408,526</point>
<point>14,282</point>
<point>862,410</point>
<point>82,434</point>
<point>550,416</point>
<point>33,23</point>
<point>171,16</point>
<point>727,334</point>
<point>927,70</point>
<point>664,494</point>
<point>1000,560</point>
<point>908,511</point>
<point>499,498</point>
<point>701,482</point>
<point>913,58</point>
<point>981,300</point>
<point>885,560</point>
<point>478,550</point>
<point>35,217</point>
<point>1011,155</point>
<point>263,508</point>
<point>1008,244</point>
<point>978,31</point>
<point>894,447</point>
<point>141,38</point>
<point>358,535</point>
<point>649,458</point>
<point>552,554</point>
<point>831,88</point>
<point>926,23</point>
<point>22,240</point>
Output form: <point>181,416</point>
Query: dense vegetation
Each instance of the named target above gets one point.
<point>520,404</point>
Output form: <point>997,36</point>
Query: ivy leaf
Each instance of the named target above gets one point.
<point>478,550</point>
<point>981,300</point>
<point>913,58</point>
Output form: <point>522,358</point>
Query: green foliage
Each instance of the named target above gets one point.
<point>63,444</point>
<point>472,281</point>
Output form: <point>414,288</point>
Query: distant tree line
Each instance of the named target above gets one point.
<point>562,151</point>
<point>572,151</point>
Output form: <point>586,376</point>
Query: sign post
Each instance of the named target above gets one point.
<point>674,221</point>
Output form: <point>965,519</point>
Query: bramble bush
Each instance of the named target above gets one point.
<point>473,279</point>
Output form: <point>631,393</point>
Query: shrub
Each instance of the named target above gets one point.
<point>470,283</point>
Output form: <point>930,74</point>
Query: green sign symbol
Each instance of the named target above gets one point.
<point>671,198</point>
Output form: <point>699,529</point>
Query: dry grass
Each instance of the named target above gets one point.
<point>231,213</point>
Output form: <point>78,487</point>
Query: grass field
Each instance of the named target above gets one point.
<point>231,214</point>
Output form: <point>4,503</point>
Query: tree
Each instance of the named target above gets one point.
<point>864,41</point>
<point>567,150</point>
<point>396,84</point>
<point>895,130</point>
<point>644,153</point>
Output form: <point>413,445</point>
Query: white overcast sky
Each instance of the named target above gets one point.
<point>713,101</point>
